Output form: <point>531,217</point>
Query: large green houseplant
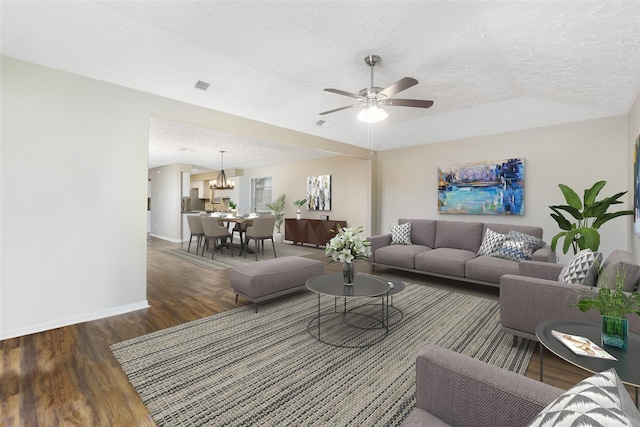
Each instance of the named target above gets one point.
<point>580,229</point>
<point>277,207</point>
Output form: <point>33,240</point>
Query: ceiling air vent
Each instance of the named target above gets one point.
<point>202,85</point>
<point>321,122</point>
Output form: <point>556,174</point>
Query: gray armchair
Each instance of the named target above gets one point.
<point>536,295</point>
<point>456,390</point>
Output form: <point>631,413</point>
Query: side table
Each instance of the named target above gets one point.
<point>626,366</point>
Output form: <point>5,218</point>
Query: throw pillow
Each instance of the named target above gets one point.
<point>401,234</point>
<point>600,400</point>
<point>491,242</point>
<point>513,250</point>
<point>519,246</point>
<point>582,269</point>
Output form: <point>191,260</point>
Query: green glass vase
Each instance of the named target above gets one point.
<point>615,332</point>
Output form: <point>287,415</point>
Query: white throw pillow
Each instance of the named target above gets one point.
<point>600,400</point>
<point>582,269</point>
<point>491,242</point>
<point>401,234</point>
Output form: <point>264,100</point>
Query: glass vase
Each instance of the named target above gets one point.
<point>347,273</point>
<point>615,332</point>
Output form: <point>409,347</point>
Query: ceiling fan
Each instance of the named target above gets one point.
<point>371,99</point>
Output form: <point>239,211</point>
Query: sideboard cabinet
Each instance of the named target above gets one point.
<point>314,231</point>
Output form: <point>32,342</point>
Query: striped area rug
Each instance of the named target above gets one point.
<point>225,260</point>
<point>241,368</point>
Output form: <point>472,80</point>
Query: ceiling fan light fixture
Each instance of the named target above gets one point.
<point>372,114</point>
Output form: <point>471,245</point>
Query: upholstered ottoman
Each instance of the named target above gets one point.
<point>269,279</point>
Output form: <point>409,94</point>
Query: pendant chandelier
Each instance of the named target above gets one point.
<point>221,182</point>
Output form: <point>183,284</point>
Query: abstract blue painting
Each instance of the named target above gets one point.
<point>494,187</point>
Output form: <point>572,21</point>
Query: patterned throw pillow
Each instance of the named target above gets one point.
<point>518,247</point>
<point>491,242</point>
<point>401,234</point>
<point>600,400</point>
<point>582,269</point>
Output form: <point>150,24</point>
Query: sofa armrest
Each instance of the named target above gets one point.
<point>540,269</point>
<point>460,390</point>
<point>378,242</point>
<point>545,254</point>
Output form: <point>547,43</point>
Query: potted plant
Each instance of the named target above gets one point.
<point>298,204</point>
<point>346,246</point>
<point>614,304</point>
<point>589,215</point>
<point>233,207</point>
<point>277,207</point>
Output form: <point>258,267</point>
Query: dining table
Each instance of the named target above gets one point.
<point>230,220</point>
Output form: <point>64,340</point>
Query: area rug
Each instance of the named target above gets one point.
<point>225,260</point>
<point>242,368</point>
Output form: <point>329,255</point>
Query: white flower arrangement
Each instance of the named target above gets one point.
<point>348,245</point>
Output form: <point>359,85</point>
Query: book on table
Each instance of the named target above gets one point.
<point>582,346</point>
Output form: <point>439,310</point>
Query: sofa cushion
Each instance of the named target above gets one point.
<point>421,418</point>
<point>582,269</point>
<point>491,242</point>
<point>423,231</point>
<point>444,261</point>
<point>401,234</point>
<point>490,269</point>
<point>600,400</point>
<point>399,255</point>
<point>459,235</point>
<point>619,262</point>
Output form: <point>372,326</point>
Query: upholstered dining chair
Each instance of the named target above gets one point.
<point>213,231</point>
<point>195,228</point>
<point>259,231</point>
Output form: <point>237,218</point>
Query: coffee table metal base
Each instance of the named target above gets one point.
<point>349,328</point>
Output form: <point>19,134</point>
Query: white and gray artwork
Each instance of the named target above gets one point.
<point>319,192</point>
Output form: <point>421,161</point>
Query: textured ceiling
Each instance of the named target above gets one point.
<point>490,67</point>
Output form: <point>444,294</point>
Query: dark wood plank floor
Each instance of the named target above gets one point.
<point>68,376</point>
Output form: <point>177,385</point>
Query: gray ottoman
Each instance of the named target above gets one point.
<point>269,279</point>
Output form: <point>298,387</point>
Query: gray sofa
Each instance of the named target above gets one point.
<point>449,249</point>
<point>536,295</point>
<point>484,395</point>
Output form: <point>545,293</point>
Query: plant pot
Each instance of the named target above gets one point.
<point>615,332</point>
<point>347,273</point>
<point>278,237</point>
<point>298,215</point>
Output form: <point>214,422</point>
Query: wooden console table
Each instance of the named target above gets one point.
<point>314,231</point>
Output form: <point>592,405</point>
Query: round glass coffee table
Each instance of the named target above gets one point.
<point>347,328</point>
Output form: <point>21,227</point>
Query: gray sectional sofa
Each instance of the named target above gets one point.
<point>450,249</point>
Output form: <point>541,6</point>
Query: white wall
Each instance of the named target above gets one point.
<point>350,188</point>
<point>633,134</point>
<point>577,155</point>
<point>74,178</point>
<point>166,192</point>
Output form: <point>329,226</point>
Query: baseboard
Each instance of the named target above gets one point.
<point>170,239</point>
<point>74,320</point>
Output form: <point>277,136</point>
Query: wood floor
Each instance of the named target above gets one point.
<point>68,376</point>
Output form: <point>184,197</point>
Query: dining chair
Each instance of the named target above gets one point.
<point>195,228</point>
<point>259,231</point>
<point>213,231</point>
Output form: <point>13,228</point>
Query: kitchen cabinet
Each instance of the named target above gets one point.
<point>314,231</point>
<point>203,188</point>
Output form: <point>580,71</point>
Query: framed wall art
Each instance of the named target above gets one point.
<point>494,187</point>
<point>319,192</point>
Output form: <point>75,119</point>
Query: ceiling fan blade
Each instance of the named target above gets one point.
<point>349,94</point>
<point>399,86</point>
<point>408,103</point>
<point>341,108</point>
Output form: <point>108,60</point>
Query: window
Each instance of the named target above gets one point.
<point>261,194</point>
